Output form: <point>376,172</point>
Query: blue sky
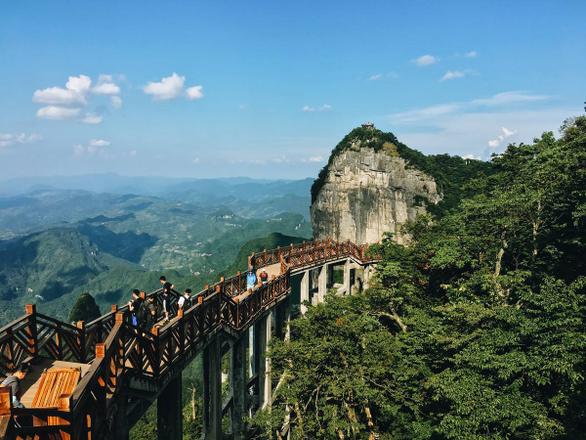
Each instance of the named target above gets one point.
<point>266,89</point>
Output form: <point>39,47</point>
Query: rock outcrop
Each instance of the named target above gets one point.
<point>368,189</point>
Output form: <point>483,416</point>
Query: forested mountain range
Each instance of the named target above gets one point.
<point>60,243</point>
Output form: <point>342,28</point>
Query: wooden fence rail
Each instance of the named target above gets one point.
<point>117,350</point>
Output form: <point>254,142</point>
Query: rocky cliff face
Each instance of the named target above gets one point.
<point>367,189</point>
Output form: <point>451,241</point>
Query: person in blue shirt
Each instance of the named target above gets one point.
<point>250,279</point>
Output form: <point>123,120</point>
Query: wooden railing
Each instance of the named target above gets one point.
<point>308,253</point>
<point>118,351</point>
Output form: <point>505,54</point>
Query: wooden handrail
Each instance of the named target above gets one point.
<point>126,348</point>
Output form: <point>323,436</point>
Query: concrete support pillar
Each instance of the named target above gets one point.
<point>287,335</point>
<point>238,370</point>
<point>170,411</point>
<point>212,389</point>
<point>367,274</point>
<point>322,282</point>
<point>263,335</point>
<point>304,291</point>
<point>121,430</point>
<point>347,281</point>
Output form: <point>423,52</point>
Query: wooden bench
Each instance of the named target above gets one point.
<point>55,387</point>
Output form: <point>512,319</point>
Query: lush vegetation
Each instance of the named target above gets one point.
<point>84,309</point>
<point>450,172</point>
<point>477,330</point>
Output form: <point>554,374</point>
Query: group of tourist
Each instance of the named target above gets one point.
<point>144,315</point>
<point>145,312</point>
<point>252,280</point>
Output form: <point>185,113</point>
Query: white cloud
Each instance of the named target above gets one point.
<point>55,113</point>
<point>195,92</point>
<point>512,97</point>
<point>116,101</point>
<point>375,77</point>
<point>92,118</point>
<point>471,54</point>
<point>464,127</point>
<point>9,139</point>
<point>99,143</point>
<point>453,74</point>
<point>195,160</point>
<point>315,159</point>
<point>424,113</point>
<point>321,108</point>
<point>79,84</point>
<point>74,93</point>
<point>66,103</point>
<point>106,89</point>
<point>92,148</point>
<point>431,113</point>
<point>425,60</point>
<point>169,87</point>
<point>506,133</point>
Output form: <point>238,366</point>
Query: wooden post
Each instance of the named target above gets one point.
<point>157,361</point>
<point>114,308</point>
<point>100,350</point>
<point>31,331</point>
<point>5,400</point>
<point>81,340</point>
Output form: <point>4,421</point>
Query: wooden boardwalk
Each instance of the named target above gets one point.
<point>91,363</point>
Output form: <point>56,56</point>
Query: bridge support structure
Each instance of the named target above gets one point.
<point>263,332</point>
<point>347,278</point>
<point>170,411</point>
<point>239,385</point>
<point>304,291</point>
<point>323,281</point>
<point>212,389</point>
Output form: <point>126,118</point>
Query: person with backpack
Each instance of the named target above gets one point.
<point>184,301</point>
<point>134,306</point>
<point>150,316</point>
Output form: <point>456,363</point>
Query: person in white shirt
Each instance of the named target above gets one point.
<point>184,300</point>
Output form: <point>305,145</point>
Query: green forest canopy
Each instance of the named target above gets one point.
<point>477,330</point>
